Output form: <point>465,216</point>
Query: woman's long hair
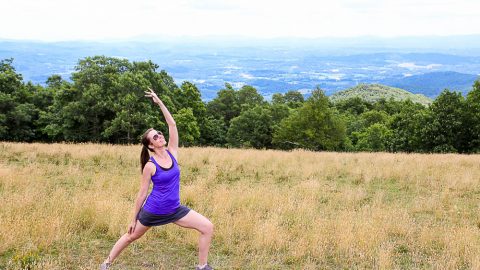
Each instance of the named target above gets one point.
<point>144,155</point>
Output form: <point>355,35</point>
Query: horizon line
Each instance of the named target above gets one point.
<point>166,38</point>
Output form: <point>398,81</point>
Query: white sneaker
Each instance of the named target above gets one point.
<point>105,266</point>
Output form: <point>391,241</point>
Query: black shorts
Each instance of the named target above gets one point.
<point>148,219</point>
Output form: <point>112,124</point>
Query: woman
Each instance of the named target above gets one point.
<point>163,204</point>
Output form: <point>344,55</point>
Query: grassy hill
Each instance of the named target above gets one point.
<point>63,206</point>
<point>374,92</point>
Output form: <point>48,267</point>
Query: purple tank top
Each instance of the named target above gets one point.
<point>165,195</point>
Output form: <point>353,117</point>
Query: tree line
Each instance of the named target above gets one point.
<point>104,102</point>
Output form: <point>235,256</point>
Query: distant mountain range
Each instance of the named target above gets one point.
<point>431,84</point>
<point>274,66</point>
<point>375,92</point>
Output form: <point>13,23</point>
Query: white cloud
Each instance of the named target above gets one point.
<point>105,19</point>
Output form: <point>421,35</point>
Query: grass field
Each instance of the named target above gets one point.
<point>63,206</point>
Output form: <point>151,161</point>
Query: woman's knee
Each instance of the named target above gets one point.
<point>131,237</point>
<point>208,228</point>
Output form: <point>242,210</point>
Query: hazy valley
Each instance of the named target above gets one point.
<point>270,67</point>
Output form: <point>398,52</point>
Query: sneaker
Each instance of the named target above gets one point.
<point>206,267</point>
<point>105,266</point>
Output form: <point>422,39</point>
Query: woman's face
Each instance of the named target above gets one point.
<point>156,138</point>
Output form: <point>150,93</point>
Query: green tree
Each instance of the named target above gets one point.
<point>132,112</point>
<point>106,101</point>
<point>293,99</point>
<point>357,125</point>
<point>18,112</point>
<point>278,98</point>
<point>406,128</point>
<point>374,138</point>
<point>213,132</point>
<point>248,97</point>
<point>472,119</point>
<point>52,120</point>
<point>389,106</point>
<point>225,106</point>
<point>372,117</point>
<point>10,83</point>
<point>444,130</point>
<point>354,106</point>
<point>7,106</point>
<point>229,103</point>
<point>10,80</point>
<point>91,100</point>
<point>252,128</point>
<point>188,129</point>
<point>315,125</point>
<point>278,113</point>
<point>190,97</point>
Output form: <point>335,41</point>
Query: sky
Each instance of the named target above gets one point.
<point>61,20</point>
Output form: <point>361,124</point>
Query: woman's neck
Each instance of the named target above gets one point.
<point>161,152</point>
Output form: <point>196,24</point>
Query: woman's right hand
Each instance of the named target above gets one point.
<point>131,227</point>
<point>151,94</point>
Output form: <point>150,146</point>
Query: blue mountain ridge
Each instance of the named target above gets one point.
<point>270,68</point>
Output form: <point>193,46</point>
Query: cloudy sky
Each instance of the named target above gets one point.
<point>51,20</point>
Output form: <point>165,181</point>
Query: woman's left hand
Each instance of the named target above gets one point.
<point>131,227</point>
<point>152,95</point>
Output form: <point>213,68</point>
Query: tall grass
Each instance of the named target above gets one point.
<point>63,206</point>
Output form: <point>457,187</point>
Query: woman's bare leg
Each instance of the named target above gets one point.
<point>126,240</point>
<point>200,223</point>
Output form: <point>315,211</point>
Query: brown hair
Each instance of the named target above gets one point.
<point>144,155</point>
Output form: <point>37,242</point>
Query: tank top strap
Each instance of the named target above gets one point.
<point>172,157</point>
<point>154,162</point>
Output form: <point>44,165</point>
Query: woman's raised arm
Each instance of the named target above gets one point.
<point>172,126</point>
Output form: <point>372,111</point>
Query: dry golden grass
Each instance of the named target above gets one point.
<point>63,206</point>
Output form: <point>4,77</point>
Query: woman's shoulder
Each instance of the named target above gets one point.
<point>150,167</point>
